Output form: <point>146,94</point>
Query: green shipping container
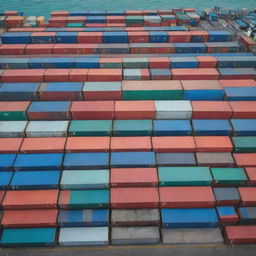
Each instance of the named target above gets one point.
<point>75,25</point>
<point>229,176</point>
<point>28,237</point>
<point>244,144</point>
<point>90,128</point>
<point>132,127</point>
<point>184,176</point>
<point>134,19</point>
<point>13,116</point>
<point>84,199</point>
<point>153,95</point>
<point>135,62</point>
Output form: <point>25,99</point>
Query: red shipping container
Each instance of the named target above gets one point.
<point>179,37</point>
<point>95,25</point>
<point>213,144</point>
<point>144,74</point>
<point>247,160</point>
<point>134,198</point>
<point>211,110</point>
<point>195,74</point>
<point>74,29</point>
<point>115,19</point>
<point>74,48</point>
<point>2,193</point>
<point>240,234</point>
<point>26,29</point>
<point>134,177</point>
<point>138,37</point>
<point>78,75</point>
<point>30,199</point>
<point>207,61</point>
<point>89,37</point>
<point>174,144</point>
<point>10,145</point>
<point>58,20</point>
<point>186,197</point>
<point>23,76</point>
<point>131,144</point>
<point>87,144</point>
<point>12,49</point>
<point>39,49</point>
<point>111,60</point>
<point>201,85</point>
<point>134,29</point>
<point>92,110</point>
<point>238,83</point>
<point>135,109</point>
<point>159,62</point>
<point>43,145</point>
<point>56,75</point>
<point>248,196</point>
<point>14,21</point>
<point>113,25</point>
<point>10,13</point>
<point>251,174</point>
<point>14,106</point>
<point>104,75</point>
<point>134,13</point>
<point>201,33</point>
<point>243,109</point>
<point>29,218</point>
<point>59,13</point>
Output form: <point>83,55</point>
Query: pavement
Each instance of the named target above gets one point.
<point>141,250</point>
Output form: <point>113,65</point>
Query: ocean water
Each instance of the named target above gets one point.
<point>44,7</point>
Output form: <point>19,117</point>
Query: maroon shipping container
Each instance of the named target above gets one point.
<point>138,37</point>
<point>186,197</point>
<point>89,37</point>
<point>12,49</point>
<point>240,234</point>
<point>248,196</point>
<point>207,61</point>
<point>134,177</point>
<point>74,48</point>
<point>39,49</point>
<point>243,109</point>
<point>211,110</point>
<point>134,198</point>
<point>102,110</point>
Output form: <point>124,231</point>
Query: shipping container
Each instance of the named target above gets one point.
<point>30,199</point>
<point>192,236</point>
<point>16,37</point>
<point>237,73</point>
<point>227,215</point>
<point>14,63</point>
<point>226,196</point>
<point>190,48</point>
<point>215,159</point>
<point>251,174</point>
<point>90,128</point>
<point>212,127</point>
<point>135,110</point>
<point>87,62</point>
<point>39,49</point>
<point>84,199</point>
<point>135,217</point>
<point>56,75</point>
<point>131,63</point>
<point>12,129</point>
<point>12,49</point>
<point>10,145</point>
<point>26,162</point>
<point>132,127</point>
<point>184,176</point>
<point>29,218</point>
<point>247,215</point>
<point>101,110</point>
<point>35,180</point>
<point>132,159</point>
<point>244,144</point>
<point>75,236</point>
<point>134,177</point>
<point>240,234</point>
<point>115,37</point>
<point>247,195</point>
<point>5,178</point>
<point>245,159</point>
<point>19,91</point>
<point>207,61</point>
<point>61,91</point>
<point>186,197</point>
<point>240,93</point>
<point>136,74</point>
<point>184,62</point>
<point>135,235</point>
<point>13,110</point>
<point>28,237</point>
<point>47,128</point>
<point>243,109</point>
<point>90,179</point>
<point>213,144</point>
<point>175,159</point>
<point>238,83</point>
<point>50,110</point>
<point>174,144</point>
<point>244,127</point>
<point>111,63</point>
<point>173,109</point>
<point>195,74</point>
<point>189,218</point>
<point>43,37</point>
<point>83,161</point>
<point>66,37</point>
<point>83,218</point>
<point>35,63</point>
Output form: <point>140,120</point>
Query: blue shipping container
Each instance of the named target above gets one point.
<point>245,127</point>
